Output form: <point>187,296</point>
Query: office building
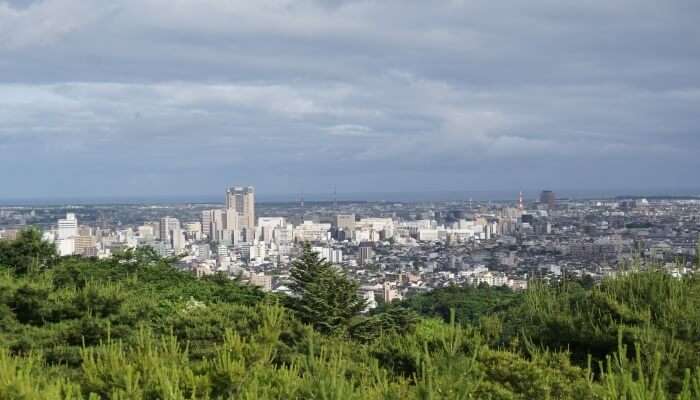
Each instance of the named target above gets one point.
<point>171,233</point>
<point>366,255</point>
<point>68,227</point>
<point>207,219</point>
<point>241,201</point>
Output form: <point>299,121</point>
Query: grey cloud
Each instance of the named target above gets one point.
<point>303,93</point>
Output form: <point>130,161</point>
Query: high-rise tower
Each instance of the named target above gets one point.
<point>241,200</point>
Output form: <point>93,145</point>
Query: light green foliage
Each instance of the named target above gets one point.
<point>134,328</point>
<point>650,312</point>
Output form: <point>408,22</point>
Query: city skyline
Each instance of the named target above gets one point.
<point>142,99</point>
<point>349,199</point>
<point>530,195</point>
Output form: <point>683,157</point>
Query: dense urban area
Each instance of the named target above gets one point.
<point>548,298</point>
<point>394,249</point>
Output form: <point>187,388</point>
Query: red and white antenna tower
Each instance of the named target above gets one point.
<point>520,202</point>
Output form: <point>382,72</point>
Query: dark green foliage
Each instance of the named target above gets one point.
<point>27,252</point>
<point>393,320</point>
<point>469,302</point>
<point>323,296</point>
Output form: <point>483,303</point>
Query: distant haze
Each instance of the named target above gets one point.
<point>155,98</point>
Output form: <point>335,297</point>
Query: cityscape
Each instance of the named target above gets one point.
<point>349,200</point>
<point>394,249</point>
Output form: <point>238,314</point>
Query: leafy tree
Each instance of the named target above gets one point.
<point>323,296</point>
<point>27,252</point>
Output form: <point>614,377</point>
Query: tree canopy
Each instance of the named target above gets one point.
<point>27,252</point>
<point>135,327</point>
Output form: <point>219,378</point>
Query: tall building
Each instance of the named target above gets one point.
<point>549,198</point>
<point>65,235</point>
<point>177,240</point>
<point>206,219</point>
<point>366,254</point>
<point>218,226</point>
<point>241,200</point>
<point>170,231</point>
<point>221,225</point>
<point>68,227</point>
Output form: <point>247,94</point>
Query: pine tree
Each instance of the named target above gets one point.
<point>27,252</point>
<point>323,296</point>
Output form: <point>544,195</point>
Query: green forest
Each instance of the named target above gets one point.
<point>135,327</point>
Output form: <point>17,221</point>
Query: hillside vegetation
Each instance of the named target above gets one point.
<point>134,327</point>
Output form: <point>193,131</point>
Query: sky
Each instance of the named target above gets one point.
<point>172,97</point>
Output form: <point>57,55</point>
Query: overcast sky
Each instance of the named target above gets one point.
<point>175,97</point>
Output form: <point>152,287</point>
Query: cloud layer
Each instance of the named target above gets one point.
<point>163,97</point>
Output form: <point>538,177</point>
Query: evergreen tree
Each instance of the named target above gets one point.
<point>27,252</point>
<point>323,296</point>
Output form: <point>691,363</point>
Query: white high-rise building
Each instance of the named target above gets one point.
<point>66,233</point>
<point>67,227</point>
